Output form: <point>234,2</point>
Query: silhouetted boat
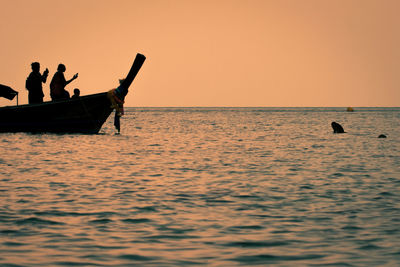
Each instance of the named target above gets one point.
<point>85,114</point>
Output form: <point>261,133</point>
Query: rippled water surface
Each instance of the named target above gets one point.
<point>206,186</point>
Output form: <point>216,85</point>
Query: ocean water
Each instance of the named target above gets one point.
<point>208,187</point>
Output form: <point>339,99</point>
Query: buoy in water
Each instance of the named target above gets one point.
<point>382,136</point>
<point>350,109</point>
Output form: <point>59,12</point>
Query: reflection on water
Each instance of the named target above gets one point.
<point>216,187</point>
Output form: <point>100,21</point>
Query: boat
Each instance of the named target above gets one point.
<point>84,114</point>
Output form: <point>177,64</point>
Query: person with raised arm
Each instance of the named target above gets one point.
<point>58,83</point>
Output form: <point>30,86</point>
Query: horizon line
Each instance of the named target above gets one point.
<point>262,106</point>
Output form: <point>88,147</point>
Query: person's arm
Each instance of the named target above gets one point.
<point>73,78</point>
<point>28,82</point>
<point>44,76</point>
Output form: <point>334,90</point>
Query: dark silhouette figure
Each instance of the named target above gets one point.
<point>34,83</point>
<point>58,83</point>
<point>77,93</point>
<point>382,136</point>
<point>337,128</point>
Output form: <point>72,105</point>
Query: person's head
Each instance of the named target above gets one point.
<point>77,92</point>
<point>35,66</point>
<point>61,67</point>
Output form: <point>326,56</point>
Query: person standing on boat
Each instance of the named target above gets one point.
<point>58,83</point>
<point>34,83</point>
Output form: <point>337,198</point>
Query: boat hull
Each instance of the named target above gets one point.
<point>85,114</point>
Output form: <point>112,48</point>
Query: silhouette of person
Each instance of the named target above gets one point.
<point>58,83</point>
<point>77,93</point>
<point>34,83</point>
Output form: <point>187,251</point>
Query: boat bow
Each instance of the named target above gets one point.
<point>117,96</point>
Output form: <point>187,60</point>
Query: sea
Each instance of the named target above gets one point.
<point>206,187</point>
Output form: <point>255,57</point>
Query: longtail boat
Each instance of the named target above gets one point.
<point>84,114</point>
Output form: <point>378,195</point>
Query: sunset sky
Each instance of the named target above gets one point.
<point>211,52</point>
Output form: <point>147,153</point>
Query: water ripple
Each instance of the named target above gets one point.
<point>36,221</point>
<point>267,258</point>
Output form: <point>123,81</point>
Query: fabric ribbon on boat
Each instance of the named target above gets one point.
<point>7,92</point>
<point>117,103</point>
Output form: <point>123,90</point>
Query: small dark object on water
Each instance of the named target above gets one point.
<point>337,128</point>
<point>382,136</point>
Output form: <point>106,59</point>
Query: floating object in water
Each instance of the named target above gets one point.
<point>382,136</point>
<point>337,128</point>
<point>350,109</point>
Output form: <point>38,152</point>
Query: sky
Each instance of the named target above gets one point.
<point>237,53</point>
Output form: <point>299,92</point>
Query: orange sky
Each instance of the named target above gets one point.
<point>211,53</point>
